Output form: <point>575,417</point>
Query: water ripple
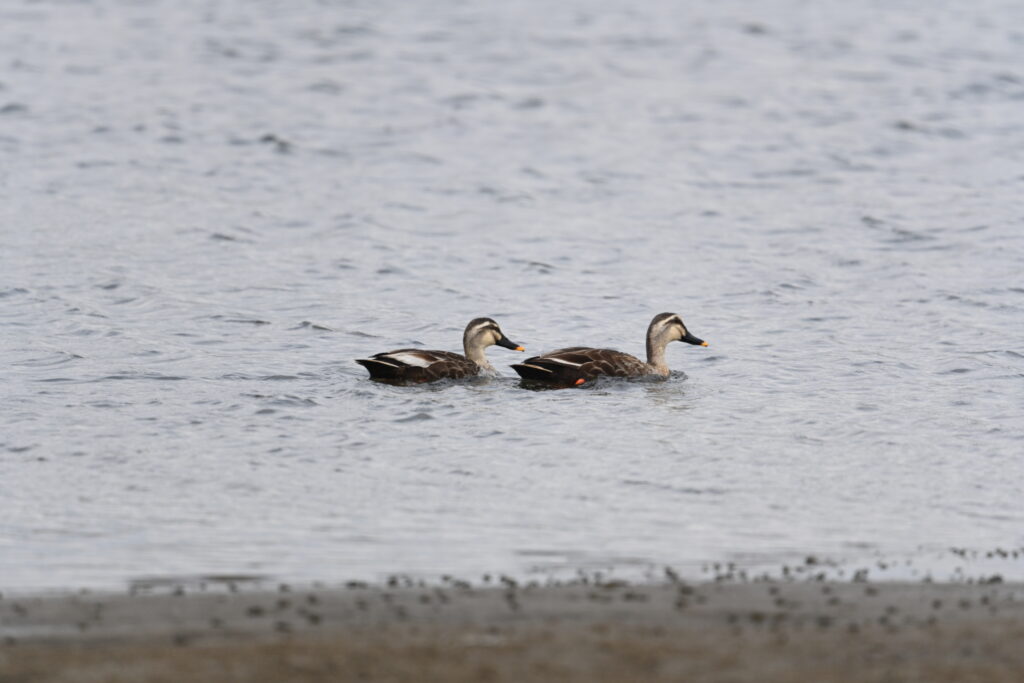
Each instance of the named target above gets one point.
<point>192,265</point>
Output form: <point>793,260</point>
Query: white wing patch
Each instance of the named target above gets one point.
<point>556,359</point>
<point>409,358</point>
<point>536,367</point>
<point>380,361</point>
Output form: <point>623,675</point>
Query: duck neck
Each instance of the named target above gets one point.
<point>656,355</point>
<point>476,354</point>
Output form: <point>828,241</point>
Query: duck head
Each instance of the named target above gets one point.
<point>483,332</point>
<point>670,327</point>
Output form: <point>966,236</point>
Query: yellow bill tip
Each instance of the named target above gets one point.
<point>580,381</point>
<point>703,343</point>
<point>520,348</point>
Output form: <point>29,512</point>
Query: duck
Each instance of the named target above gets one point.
<point>414,366</point>
<point>579,364</point>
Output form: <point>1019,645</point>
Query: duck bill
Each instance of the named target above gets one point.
<point>690,339</point>
<point>508,344</point>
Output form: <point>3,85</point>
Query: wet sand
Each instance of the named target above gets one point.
<point>584,631</point>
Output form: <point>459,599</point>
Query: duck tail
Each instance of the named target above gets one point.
<point>537,373</point>
<point>379,369</point>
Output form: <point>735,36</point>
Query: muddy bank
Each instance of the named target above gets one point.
<point>592,631</point>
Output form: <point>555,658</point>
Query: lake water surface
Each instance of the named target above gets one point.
<point>208,209</point>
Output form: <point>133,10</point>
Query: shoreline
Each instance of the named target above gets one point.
<point>583,630</point>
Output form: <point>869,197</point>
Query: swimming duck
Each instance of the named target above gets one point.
<point>420,365</point>
<point>579,364</point>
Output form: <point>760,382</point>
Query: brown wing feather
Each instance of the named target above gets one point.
<point>433,365</point>
<point>455,367</point>
<point>612,363</point>
<point>568,365</point>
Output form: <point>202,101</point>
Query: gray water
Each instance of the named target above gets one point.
<point>208,209</point>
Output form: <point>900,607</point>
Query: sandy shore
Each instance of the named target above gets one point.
<point>587,631</point>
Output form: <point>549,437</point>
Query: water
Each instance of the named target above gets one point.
<point>209,209</point>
